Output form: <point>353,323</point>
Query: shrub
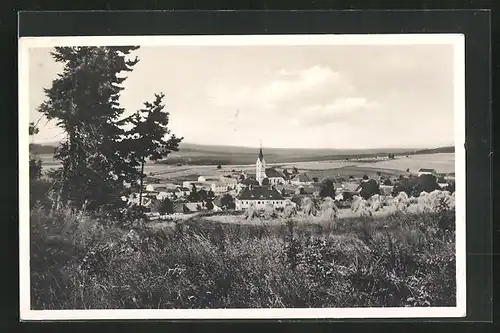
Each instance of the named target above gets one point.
<point>426,183</point>
<point>387,182</point>
<point>165,206</point>
<point>308,206</point>
<point>227,202</point>
<point>369,188</point>
<point>327,188</point>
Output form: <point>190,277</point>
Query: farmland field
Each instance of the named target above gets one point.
<point>441,162</point>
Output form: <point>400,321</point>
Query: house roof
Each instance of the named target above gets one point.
<point>310,189</point>
<point>250,181</point>
<point>260,193</point>
<point>167,189</point>
<point>217,200</point>
<point>426,170</point>
<point>272,172</point>
<point>302,177</point>
<point>191,206</point>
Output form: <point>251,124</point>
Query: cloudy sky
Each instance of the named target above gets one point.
<point>373,96</point>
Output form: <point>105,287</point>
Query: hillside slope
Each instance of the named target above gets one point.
<point>212,155</point>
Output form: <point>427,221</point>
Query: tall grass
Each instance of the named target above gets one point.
<point>82,263</point>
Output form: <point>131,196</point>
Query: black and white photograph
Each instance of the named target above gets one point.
<point>250,176</point>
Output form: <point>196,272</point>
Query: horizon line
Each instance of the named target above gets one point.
<point>53,143</point>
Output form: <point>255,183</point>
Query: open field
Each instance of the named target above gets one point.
<point>442,162</point>
<point>195,154</point>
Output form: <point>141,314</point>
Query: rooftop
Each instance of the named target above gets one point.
<point>260,192</point>
<point>273,173</point>
<point>426,170</point>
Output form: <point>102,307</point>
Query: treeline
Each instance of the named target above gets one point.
<point>41,149</point>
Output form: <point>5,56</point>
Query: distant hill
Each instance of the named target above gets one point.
<point>42,149</point>
<point>213,154</point>
<point>450,149</point>
<point>190,153</point>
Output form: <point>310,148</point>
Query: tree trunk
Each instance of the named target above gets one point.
<point>140,188</point>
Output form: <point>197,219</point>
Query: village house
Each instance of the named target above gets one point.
<point>188,207</point>
<point>259,196</point>
<point>301,179</point>
<point>427,172</point>
<point>170,193</point>
<point>199,185</point>
<point>220,188</point>
<point>274,176</point>
<point>245,183</point>
<point>229,180</point>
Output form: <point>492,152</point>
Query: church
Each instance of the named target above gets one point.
<point>264,193</point>
<point>273,176</point>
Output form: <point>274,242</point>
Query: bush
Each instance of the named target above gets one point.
<point>40,193</point>
<point>227,202</point>
<point>387,182</point>
<point>327,188</point>
<point>78,262</point>
<point>166,207</point>
<point>369,188</point>
<point>426,183</point>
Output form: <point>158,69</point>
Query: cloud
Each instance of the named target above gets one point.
<point>282,89</point>
<point>341,109</point>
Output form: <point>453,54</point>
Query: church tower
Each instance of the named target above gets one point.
<point>260,167</point>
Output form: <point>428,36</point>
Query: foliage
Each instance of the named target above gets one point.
<point>99,154</point>
<point>369,188</point>
<point>81,263</point>
<point>35,164</point>
<point>35,168</point>
<point>148,137</point>
<point>166,206</point>
<point>327,189</point>
<point>227,202</point>
<point>387,182</point>
<point>83,100</point>
<point>413,186</point>
<point>426,183</point>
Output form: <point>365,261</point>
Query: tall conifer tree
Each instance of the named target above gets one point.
<point>83,100</point>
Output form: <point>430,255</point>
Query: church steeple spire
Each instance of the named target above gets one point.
<point>261,155</point>
<point>260,166</point>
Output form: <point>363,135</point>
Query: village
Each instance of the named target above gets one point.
<point>239,190</point>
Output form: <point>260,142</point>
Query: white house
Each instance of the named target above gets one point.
<point>259,196</point>
<point>427,172</point>
<point>230,181</point>
<point>220,187</point>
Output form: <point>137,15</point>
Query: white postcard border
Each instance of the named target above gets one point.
<point>457,40</point>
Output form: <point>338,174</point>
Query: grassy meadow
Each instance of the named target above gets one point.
<point>83,262</point>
